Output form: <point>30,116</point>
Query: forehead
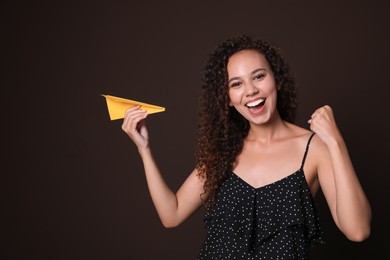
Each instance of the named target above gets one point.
<point>246,61</point>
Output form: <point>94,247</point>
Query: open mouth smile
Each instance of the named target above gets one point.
<point>256,103</point>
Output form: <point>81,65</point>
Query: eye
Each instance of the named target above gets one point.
<point>259,76</point>
<point>235,84</point>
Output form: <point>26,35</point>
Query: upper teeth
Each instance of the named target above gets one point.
<point>255,103</point>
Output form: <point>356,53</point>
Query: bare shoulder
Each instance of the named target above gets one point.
<point>318,147</point>
<point>319,157</point>
<point>299,133</point>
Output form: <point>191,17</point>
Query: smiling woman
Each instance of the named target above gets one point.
<point>252,85</point>
<point>255,173</point>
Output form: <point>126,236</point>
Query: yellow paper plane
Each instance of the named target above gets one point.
<point>117,106</point>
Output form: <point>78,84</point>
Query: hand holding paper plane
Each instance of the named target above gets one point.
<point>117,106</point>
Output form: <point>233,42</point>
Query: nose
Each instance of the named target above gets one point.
<point>251,89</point>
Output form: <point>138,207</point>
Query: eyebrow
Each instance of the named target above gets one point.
<point>253,72</point>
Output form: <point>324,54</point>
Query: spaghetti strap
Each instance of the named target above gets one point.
<point>306,150</point>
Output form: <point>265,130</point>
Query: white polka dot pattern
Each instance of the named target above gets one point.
<point>276,221</point>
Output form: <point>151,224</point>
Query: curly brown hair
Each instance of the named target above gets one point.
<point>221,129</point>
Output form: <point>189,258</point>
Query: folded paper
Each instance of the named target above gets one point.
<point>117,106</point>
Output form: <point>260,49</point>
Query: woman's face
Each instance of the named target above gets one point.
<point>252,87</point>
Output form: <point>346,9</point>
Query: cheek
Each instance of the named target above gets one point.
<point>234,96</point>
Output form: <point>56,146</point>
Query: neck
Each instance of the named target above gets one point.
<point>266,133</point>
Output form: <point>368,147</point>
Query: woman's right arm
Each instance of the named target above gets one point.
<point>172,208</point>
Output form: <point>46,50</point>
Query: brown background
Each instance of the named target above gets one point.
<point>73,182</point>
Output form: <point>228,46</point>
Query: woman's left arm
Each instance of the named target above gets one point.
<point>345,196</point>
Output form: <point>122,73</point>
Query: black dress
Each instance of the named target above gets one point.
<point>275,221</point>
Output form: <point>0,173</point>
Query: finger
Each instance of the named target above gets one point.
<point>135,124</point>
<point>133,108</point>
<point>142,127</point>
<point>314,115</point>
<point>131,113</point>
<point>312,127</point>
<point>135,119</point>
<point>328,110</point>
<point>316,112</point>
<point>131,121</point>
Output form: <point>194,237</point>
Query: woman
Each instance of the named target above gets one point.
<point>255,172</point>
